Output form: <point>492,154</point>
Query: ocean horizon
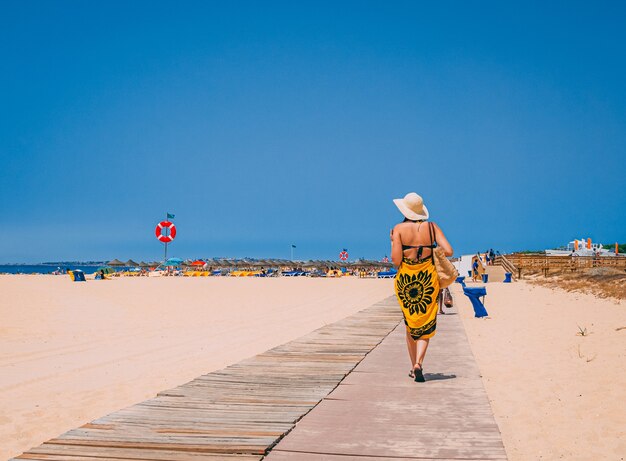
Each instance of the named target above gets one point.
<point>44,268</point>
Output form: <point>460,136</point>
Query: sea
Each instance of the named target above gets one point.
<point>43,269</point>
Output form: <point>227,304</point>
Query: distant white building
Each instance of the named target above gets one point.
<point>581,247</point>
<point>464,265</point>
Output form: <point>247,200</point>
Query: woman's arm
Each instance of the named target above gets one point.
<point>396,247</point>
<point>442,241</point>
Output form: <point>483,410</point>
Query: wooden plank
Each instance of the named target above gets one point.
<point>75,453</point>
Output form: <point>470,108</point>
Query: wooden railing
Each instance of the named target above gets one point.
<point>545,264</point>
<point>508,266</point>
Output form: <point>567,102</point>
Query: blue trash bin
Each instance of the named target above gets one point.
<point>507,277</point>
<point>469,273</point>
<point>485,278</point>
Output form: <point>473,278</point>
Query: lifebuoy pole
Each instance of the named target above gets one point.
<point>166,233</point>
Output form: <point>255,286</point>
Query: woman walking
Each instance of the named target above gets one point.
<point>417,284</point>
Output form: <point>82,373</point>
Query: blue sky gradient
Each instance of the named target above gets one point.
<point>261,124</point>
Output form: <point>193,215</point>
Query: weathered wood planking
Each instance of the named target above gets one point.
<point>237,413</point>
<point>378,413</point>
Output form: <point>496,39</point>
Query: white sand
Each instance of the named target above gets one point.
<point>72,352</point>
<point>555,395</point>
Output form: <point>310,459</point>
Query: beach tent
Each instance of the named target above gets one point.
<point>116,262</point>
<point>77,276</point>
<point>105,269</point>
<point>131,263</point>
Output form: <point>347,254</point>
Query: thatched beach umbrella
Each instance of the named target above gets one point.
<point>143,264</point>
<point>116,263</point>
<point>131,263</point>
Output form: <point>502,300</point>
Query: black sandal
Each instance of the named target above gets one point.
<point>419,375</point>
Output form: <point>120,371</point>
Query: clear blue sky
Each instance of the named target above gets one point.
<point>261,124</point>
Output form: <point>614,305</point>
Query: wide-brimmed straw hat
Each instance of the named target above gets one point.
<point>412,207</point>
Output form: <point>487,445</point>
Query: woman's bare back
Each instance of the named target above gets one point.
<point>414,235</point>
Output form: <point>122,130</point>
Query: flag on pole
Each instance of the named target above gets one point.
<point>292,245</point>
<point>170,216</point>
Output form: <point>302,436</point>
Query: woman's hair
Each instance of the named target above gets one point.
<point>412,220</point>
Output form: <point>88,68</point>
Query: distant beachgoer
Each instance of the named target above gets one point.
<point>487,258</point>
<point>475,269</point>
<point>416,283</point>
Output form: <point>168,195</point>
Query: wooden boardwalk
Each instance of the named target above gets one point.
<point>379,414</point>
<point>237,413</point>
<point>372,412</point>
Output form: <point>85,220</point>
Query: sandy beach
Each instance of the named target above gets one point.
<point>71,352</point>
<point>555,393</point>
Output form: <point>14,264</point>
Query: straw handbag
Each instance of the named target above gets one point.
<point>445,269</point>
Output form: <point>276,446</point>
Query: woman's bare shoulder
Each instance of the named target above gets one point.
<point>402,226</point>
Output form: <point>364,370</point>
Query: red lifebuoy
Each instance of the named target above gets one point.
<point>165,225</point>
<point>343,255</point>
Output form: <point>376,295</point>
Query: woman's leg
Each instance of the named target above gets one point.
<point>422,345</point>
<point>411,345</point>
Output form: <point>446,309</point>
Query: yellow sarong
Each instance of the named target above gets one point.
<point>417,288</point>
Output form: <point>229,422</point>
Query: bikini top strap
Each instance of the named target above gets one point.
<point>433,241</point>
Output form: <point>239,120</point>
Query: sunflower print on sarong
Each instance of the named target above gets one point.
<point>417,287</point>
<point>415,291</point>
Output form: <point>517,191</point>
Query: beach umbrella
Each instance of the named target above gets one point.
<point>173,262</point>
<point>198,263</point>
<point>131,263</point>
<point>116,262</point>
<point>143,264</point>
